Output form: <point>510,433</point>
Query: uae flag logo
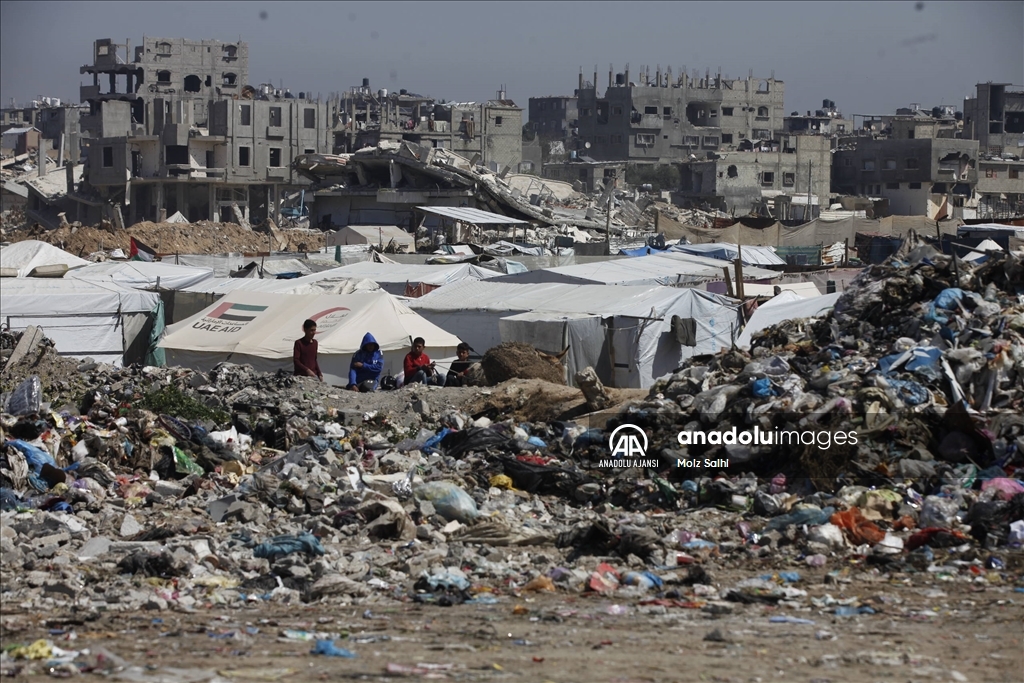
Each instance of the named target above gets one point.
<point>241,313</point>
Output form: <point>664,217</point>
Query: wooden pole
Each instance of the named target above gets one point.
<point>728,282</point>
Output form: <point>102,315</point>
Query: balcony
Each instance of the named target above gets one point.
<point>275,132</point>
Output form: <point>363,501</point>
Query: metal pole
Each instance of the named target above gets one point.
<point>608,222</point>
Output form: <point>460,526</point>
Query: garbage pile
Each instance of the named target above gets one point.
<point>159,489</point>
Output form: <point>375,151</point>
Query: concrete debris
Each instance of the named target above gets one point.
<point>169,493</point>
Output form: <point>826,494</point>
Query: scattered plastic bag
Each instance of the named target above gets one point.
<point>449,501</point>
<point>26,399</point>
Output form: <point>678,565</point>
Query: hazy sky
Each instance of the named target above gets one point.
<point>870,57</point>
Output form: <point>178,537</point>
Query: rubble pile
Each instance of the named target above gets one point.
<point>203,237</point>
<point>171,490</point>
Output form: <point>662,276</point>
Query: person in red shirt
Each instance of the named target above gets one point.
<point>419,368</point>
<point>304,354</point>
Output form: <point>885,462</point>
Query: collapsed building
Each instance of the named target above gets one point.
<point>489,132</point>
<point>667,119</point>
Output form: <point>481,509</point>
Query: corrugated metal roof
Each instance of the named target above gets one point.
<point>469,215</point>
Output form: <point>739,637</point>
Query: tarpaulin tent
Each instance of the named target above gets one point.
<point>637,320</point>
<point>27,255</point>
<point>667,268</point>
<point>142,274</point>
<point>582,333</point>
<point>260,329</point>
<point>752,255</point>
<point>785,306</point>
<point>101,320</point>
<point>394,277</point>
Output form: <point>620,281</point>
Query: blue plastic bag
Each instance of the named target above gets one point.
<point>35,457</point>
<point>761,388</point>
<point>327,648</point>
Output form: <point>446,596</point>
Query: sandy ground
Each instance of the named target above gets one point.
<point>925,629</point>
<point>175,238</point>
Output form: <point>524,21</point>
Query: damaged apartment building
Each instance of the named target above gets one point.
<point>995,118</point>
<point>177,129</point>
<point>665,119</point>
<point>489,132</point>
<point>918,163</point>
<point>787,178</point>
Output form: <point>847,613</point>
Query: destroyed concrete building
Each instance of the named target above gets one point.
<point>918,165</point>
<point>827,121</point>
<point>789,175</point>
<point>592,175</point>
<point>490,131</point>
<point>53,121</point>
<point>186,134</point>
<point>995,118</point>
<point>166,69</point>
<point>553,117</point>
<point>665,119</point>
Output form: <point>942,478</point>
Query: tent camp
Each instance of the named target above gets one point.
<point>142,274</point>
<point>630,335</point>
<point>379,235</point>
<point>785,306</point>
<point>260,329</point>
<point>22,258</point>
<point>671,268</point>
<point>101,320</point>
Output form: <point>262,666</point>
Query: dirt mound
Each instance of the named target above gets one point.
<point>536,400</point>
<point>515,360</point>
<point>59,376</point>
<point>203,237</point>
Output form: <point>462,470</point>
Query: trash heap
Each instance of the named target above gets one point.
<point>158,489</point>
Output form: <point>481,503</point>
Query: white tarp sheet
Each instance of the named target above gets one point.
<point>785,306</point>
<point>84,319</point>
<point>260,329</point>
<point>752,255</point>
<point>394,276</point>
<point>473,310</point>
<point>27,255</point>
<point>582,333</point>
<point>671,268</point>
<point>142,274</point>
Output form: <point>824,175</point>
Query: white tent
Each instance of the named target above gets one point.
<point>142,274</point>
<point>28,255</point>
<point>639,340</point>
<point>582,333</point>
<point>394,277</point>
<point>260,329</point>
<point>752,255</point>
<point>785,306</point>
<point>101,320</point>
<point>380,235</point>
<point>670,268</point>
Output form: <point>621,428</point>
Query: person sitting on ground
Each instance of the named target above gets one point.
<point>419,368</point>
<point>457,372</point>
<point>367,364</point>
<point>305,351</point>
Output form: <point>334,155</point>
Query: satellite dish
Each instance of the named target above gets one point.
<point>586,145</point>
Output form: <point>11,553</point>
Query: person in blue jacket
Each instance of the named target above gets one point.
<point>367,364</point>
